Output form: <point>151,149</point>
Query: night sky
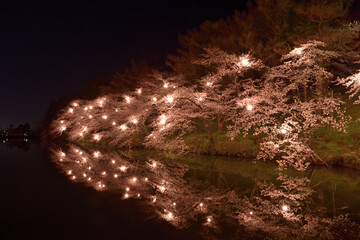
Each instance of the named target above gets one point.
<point>49,49</point>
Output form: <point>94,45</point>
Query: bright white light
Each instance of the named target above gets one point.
<point>285,207</point>
<point>209,84</point>
<point>283,131</point>
<point>96,154</point>
<point>81,134</point>
<point>69,172</point>
<point>208,220</point>
<point>90,116</point>
<point>201,204</point>
<point>174,203</point>
<point>91,107</point>
<point>101,102</point>
<point>154,99</point>
<point>154,164</point>
<point>135,121</point>
<point>200,99</point>
<point>63,128</point>
<point>73,177</point>
<point>251,213</point>
<point>62,121</point>
<point>115,175</point>
<point>146,179</point>
<point>84,174</point>
<point>162,121</point>
<point>75,104</point>
<point>96,137</point>
<point>166,85</point>
<point>62,154</point>
<point>71,110</point>
<point>113,161</point>
<point>89,179</point>
<point>127,98</point>
<point>162,188</point>
<point>245,62</point>
<point>249,107</point>
<point>134,179</point>
<point>113,123</point>
<point>126,195</point>
<point>139,91</point>
<point>123,127</point>
<point>170,215</point>
<point>103,173</point>
<point>86,108</point>
<point>297,51</point>
<point>170,99</point>
<point>127,189</point>
<point>104,117</point>
<point>123,168</point>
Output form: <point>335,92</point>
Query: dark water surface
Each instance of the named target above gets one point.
<point>152,195</point>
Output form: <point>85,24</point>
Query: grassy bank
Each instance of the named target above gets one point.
<point>333,147</point>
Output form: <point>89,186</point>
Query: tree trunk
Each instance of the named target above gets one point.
<point>196,128</point>
<point>211,138</point>
<point>220,124</point>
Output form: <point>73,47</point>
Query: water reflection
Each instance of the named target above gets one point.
<point>21,143</point>
<point>207,196</point>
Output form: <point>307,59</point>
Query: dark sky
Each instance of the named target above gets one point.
<point>49,49</point>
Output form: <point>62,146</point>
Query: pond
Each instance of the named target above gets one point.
<point>68,192</point>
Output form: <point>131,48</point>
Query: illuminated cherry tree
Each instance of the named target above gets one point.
<point>284,103</point>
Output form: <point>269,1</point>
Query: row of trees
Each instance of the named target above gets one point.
<point>283,103</point>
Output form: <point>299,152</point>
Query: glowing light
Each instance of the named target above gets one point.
<point>123,168</point>
<point>90,116</point>
<point>63,128</point>
<point>103,173</point>
<point>62,154</point>
<point>251,213</point>
<point>245,62</point>
<point>115,175</point>
<point>69,172</point>
<point>84,129</point>
<point>73,177</point>
<point>84,174</point>
<point>89,179</point>
<point>104,117</point>
<point>297,51</point>
<point>174,203</point>
<point>166,85</point>
<point>170,215</point>
<point>113,123</point>
<point>154,199</point>
<point>96,154</point>
<point>71,110</point>
<point>91,107</point>
<point>127,99</point>
<point>139,91</point>
<point>162,188</point>
<point>146,179</point>
<point>116,110</point>
<point>209,84</point>
<point>154,99</point>
<point>138,195</point>
<point>170,99</point>
<point>201,204</point>
<point>127,189</point>
<point>285,208</point>
<point>249,107</point>
<point>75,104</point>
<point>135,121</point>
<point>86,108</point>
<point>113,161</point>
<point>62,121</point>
<point>123,127</point>
<point>154,164</point>
<point>81,134</point>
<point>126,195</point>
<point>134,179</point>
<point>200,99</point>
<point>283,131</point>
<point>101,102</point>
<point>96,137</point>
<point>208,219</point>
